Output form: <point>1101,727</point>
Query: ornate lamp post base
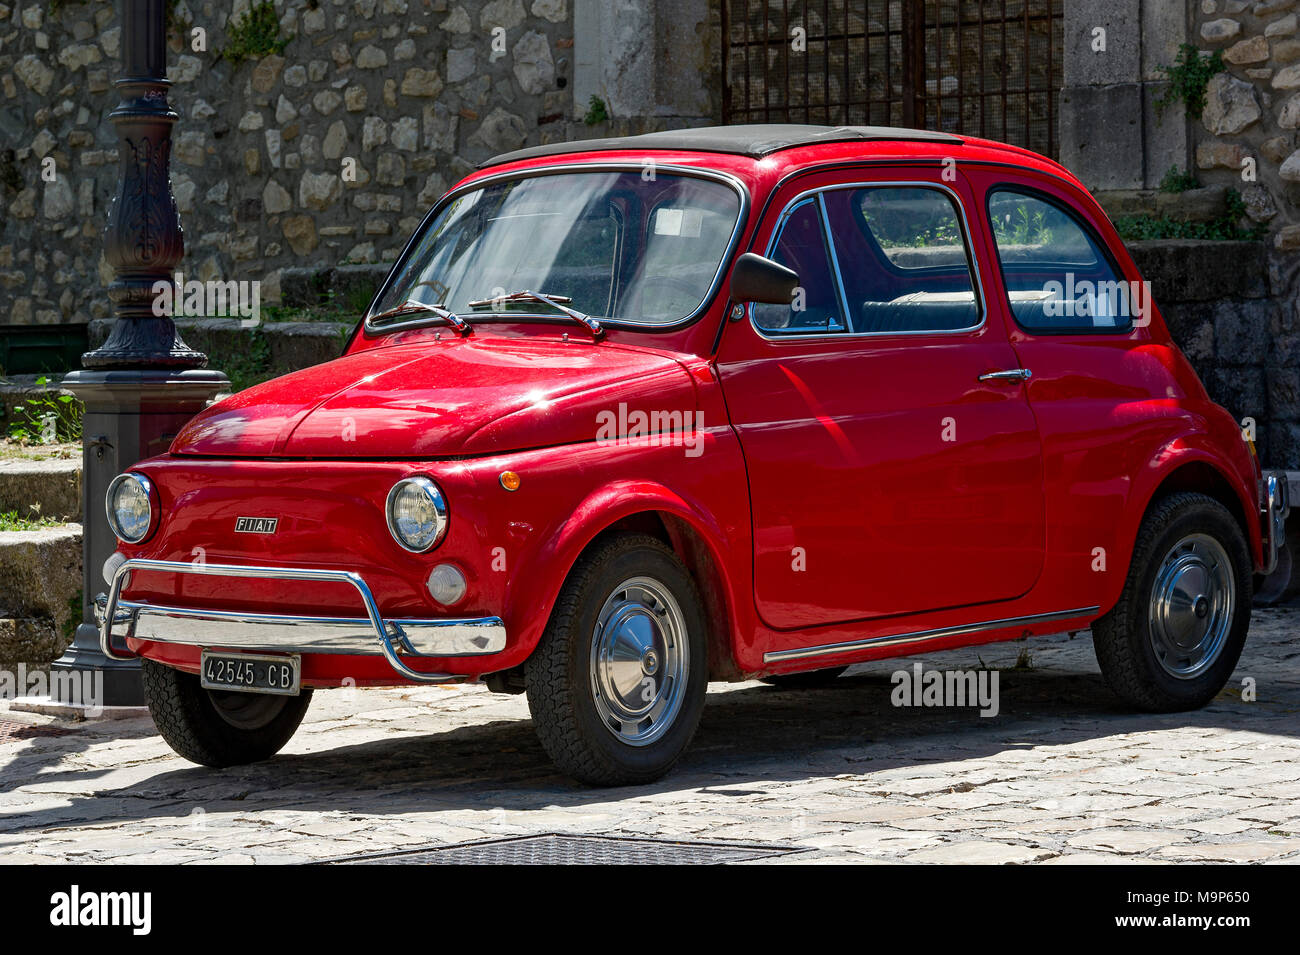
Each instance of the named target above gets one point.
<point>144,382</point>
<point>130,415</point>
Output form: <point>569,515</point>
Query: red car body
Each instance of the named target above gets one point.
<point>825,519</point>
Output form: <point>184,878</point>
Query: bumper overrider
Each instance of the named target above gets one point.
<point>371,635</point>
<point>1277,505</point>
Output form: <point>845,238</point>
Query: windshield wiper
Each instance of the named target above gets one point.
<point>555,301</point>
<point>411,305</point>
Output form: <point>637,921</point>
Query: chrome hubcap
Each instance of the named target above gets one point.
<point>1192,604</point>
<point>639,661</point>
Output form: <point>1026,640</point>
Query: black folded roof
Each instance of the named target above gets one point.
<point>756,141</point>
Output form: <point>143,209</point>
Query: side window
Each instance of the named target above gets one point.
<point>903,256</point>
<point>1057,276</point>
<point>801,246</point>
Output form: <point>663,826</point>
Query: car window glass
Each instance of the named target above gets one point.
<point>1057,277</point>
<point>801,246</point>
<point>680,257</point>
<point>903,258</point>
<point>618,244</point>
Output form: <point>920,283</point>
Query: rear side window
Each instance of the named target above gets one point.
<point>903,259</point>
<point>1057,275</point>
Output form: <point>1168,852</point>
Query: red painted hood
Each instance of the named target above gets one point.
<point>479,395</point>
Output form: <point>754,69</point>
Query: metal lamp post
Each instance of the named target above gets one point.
<point>144,382</point>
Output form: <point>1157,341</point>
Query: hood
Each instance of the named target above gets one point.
<point>429,399</point>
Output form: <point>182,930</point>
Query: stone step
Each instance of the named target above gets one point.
<point>31,640</point>
<point>49,488</point>
<point>40,592</point>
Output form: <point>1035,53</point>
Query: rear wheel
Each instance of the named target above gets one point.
<point>812,680</point>
<point>215,727</point>
<point>616,685</point>
<point>1174,637</point>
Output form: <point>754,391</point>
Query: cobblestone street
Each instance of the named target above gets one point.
<point>1061,775</point>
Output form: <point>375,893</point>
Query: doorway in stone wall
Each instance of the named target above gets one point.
<point>988,68</point>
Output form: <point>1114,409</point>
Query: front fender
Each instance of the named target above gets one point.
<point>572,495</point>
<point>606,507</point>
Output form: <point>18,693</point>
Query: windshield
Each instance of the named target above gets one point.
<point>639,247</point>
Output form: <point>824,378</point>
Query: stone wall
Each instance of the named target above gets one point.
<point>1220,302</point>
<point>1247,136</point>
<point>415,91</point>
<point>1232,306</point>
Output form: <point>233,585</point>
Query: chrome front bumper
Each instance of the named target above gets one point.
<point>292,633</point>
<point>1277,505</point>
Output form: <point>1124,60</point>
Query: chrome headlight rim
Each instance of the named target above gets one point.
<point>439,500</point>
<point>151,496</point>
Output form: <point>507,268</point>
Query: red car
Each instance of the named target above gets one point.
<point>631,415</point>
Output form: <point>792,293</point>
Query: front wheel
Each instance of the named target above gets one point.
<point>1174,637</point>
<point>616,685</point>
<point>218,728</point>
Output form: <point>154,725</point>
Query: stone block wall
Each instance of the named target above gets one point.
<point>1252,110</point>
<point>1232,306</point>
<point>1222,304</point>
<point>415,91</point>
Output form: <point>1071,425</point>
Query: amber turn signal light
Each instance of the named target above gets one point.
<point>510,480</point>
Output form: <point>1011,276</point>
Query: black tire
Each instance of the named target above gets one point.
<point>811,680</point>
<point>564,679</point>
<point>1130,649</point>
<point>215,728</point>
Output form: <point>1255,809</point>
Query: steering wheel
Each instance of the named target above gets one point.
<point>635,305</point>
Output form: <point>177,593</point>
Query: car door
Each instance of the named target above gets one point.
<point>894,464</point>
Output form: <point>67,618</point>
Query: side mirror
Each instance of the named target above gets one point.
<point>756,279</point>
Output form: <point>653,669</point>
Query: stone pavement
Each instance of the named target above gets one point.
<point>1063,774</point>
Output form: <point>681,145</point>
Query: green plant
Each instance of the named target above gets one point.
<point>596,111</point>
<point>1022,228</point>
<point>1225,227</point>
<point>75,610</point>
<point>48,418</point>
<point>255,36</point>
<point>13,521</point>
<point>1176,181</point>
<point>249,366</point>
<point>175,23</point>
<point>1188,78</point>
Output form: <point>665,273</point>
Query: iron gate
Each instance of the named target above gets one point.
<point>988,68</point>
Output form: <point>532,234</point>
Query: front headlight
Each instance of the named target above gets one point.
<point>130,506</point>
<point>417,514</point>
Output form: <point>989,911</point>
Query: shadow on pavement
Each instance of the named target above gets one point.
<point>751,738</point>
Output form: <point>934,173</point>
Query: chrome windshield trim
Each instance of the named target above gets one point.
<point>698,172</point>
<point>920,636</point>
<point>371,634</point>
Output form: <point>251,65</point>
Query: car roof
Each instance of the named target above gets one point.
<point>755,141</point>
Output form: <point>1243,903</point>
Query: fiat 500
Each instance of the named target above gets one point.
<point>754,402</point>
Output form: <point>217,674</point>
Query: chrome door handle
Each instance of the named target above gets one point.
<point>1011,374</point>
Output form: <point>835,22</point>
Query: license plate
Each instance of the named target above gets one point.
<point>251,673</point>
